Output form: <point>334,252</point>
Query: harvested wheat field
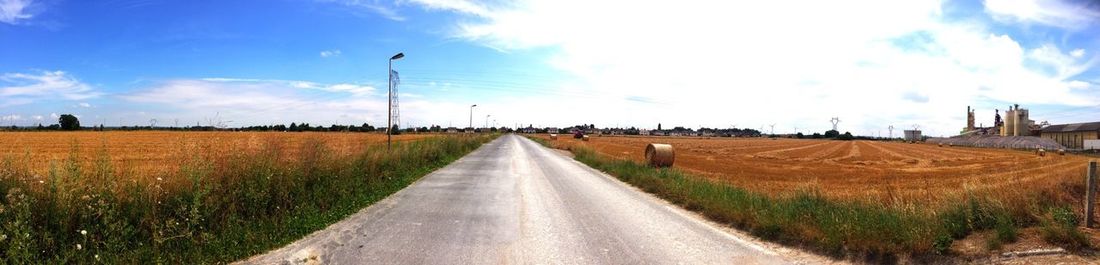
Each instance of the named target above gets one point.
<point>866,170</point>
<point>158,152</point>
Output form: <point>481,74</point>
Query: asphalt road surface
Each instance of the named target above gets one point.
<point>513,201</point>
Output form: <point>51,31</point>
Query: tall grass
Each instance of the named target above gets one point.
<point>215,208</point>
<point>863,229</point>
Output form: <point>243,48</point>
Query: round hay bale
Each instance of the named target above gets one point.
<point>941,144</point>
<point>660,155</point>
<point>553,136</point>
<point>1042,152</point>
<point>584,138</point>
<point>1061,151</point>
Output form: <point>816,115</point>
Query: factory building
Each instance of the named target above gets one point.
<point>1017,122</point>
<point>1073,136</point>
<point>913,135</point>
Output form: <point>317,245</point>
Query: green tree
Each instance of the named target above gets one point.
<point>832,134</point>
<point>846,136</point>
<point>69,122</point>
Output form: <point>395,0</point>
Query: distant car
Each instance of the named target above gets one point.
<point>578,135</point>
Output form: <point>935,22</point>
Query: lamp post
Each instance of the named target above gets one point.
<point>389,114</point>
<point>472,116</point>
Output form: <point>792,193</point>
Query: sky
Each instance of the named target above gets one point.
<point>793,65</point>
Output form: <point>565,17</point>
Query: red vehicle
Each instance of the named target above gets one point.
<point>578,134</point>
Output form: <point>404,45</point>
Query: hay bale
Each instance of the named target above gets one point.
<point>941,144</point>
<point>584,138</point>
<point>660,155</point>
<point>1042,152</point>
<point>1061,151</point>
<point>553,136</point>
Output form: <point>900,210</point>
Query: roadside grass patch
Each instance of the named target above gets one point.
<point>210,211</point>
<point>872,231</point>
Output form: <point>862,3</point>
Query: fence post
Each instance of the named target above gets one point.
<point>1090,193</point>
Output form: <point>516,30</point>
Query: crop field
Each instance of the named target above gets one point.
<point>194,197</point>
<point>865,170</point>
<point>161,152</point>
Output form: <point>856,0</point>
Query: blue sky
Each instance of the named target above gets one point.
<point>550,63</point>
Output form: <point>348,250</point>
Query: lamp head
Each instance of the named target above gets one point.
<point>398,56</point>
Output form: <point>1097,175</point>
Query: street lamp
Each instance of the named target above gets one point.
<point>472,116</point>
<point>389,115</point>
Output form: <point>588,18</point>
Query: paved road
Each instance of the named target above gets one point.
<point>513,201</point>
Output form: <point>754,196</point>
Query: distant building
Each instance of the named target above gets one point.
<point>529,129</point>
<point>452,130</point>
<point>913,135</point>
<point>1072,136</point>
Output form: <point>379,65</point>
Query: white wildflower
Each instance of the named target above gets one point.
<point>78,247</point>
<point>159,179</point>
<point>2,237</point>
<point>83,232</point>
<point>96,256</point>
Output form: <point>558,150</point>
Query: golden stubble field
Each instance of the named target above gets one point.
<point>157,152</point>
<point>892,172</point>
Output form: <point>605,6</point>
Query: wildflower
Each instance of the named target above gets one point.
<point>159,179</point>
<point>2,237</point>
<point>41,182</point>
<point>78,247</point>
<point>96,256</point>
<point>83,232</point>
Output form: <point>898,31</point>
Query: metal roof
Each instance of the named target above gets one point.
<point>1074,127</point>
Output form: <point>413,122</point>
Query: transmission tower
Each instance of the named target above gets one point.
<point>891,128</point>
<point>395,112</point>
<point>773,128</point>
<point>835,121</point>
<point>153,123</point>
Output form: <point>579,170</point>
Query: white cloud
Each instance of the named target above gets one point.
<point>716,63</point>
<point>353,89</point>
<point>373,6</point>
<point>11,117</point>
<point>259,101</point>
<point>12,11</point>
<point>1058,13</point>
<point>1063,65</point>
<point>37,117</point>
<point>84,105</point>
<point>26,88</point>
<point>1077,53</point>
<point>330,53</point>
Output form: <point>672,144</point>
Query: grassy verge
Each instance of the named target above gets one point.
<point>210,211</point>
<point>865,230</point>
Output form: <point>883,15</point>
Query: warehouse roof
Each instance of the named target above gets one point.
<point>1074,127</point>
